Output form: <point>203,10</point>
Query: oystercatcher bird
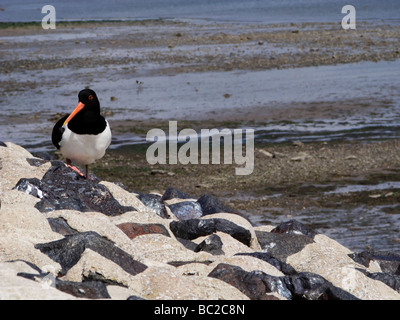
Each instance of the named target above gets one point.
<point>84,135</point>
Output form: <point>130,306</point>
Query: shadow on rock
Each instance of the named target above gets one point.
<point>62,188</point>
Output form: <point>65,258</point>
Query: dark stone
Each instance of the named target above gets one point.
<point>210,205</point>
<point>85,289</point>
<point>132,230</point>
<point>177,264</point>
<point>248,283</point>
<point>311,286</point>
<point>285,268</point>
<point>281,246</point>
<point>300,286</point>
<point>68,251</point>
<point>172,193</point>
<point>294,227</point>
<point>30,186</point>
<point>388,261</point>
<point>186,210</point>
<point>35,162</point>
<point>187,243</point>
<point>194,228</point>
<point>61,226</point>
<point>153,201</point>
<point>2,144</point>
<point>212,244</point>
<point>135,298</point>
<point>390,280</point>
<point>95,276</point>
<point>43,155</point>
<point>62,188</point>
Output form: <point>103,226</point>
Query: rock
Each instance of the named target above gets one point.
<point>387,261</point>
<point>156,248</point>
<point>61,188</point>
<point>281,266</point>
<point>154,202</point>
<point>211,244</point>
<point>93,249</point>
<point>161,283</point>
<point>2,144</point>
<point>68,251</point>
<point>43,155</point>
<point>241,222</point>
<point>257,284</point>
<point>393,281</point>
<point>210,204</point>
<point>30,186</point>
<point>132,230</point>
<point>35,162</point>
<point>331,260</point>
<point>14,287</point>
<point>247,263</point>
<point>172,193</point>
<point>247,282</point>
<point>186,210</point>
<point>294,227</point>
<point>194,228</point>
<point>87,289</point>
<point>61,226</point>
<point>281,246</point>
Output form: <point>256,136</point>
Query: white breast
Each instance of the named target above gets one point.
<point>84,148</point>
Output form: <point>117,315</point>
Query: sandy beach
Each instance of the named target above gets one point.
<point>212,65</point>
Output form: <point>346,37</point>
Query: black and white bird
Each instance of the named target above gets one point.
<point>84,135</point>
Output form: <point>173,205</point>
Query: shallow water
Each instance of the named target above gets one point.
<point>262,11</point>
<point>200,96</point>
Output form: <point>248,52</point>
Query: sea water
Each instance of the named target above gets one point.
<point>260,11</point>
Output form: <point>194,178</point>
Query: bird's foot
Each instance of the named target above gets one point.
<point>75,169</point>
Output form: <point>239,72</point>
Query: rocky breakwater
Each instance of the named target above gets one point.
<point>63,237</point>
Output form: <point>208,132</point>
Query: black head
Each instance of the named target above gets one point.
<point>89,98</point>
<point>86,118</point>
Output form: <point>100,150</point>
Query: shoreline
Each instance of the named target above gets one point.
<point>46,69</point>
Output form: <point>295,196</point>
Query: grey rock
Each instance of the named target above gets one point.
<point>294,227</point>
<point>280,265</point>
<point>301,286</point>
<point>281,246</point>
<point>194,228</point>
<point>210,205</point>
<point>211,244</point>
<point>154,202</point>
<point>62,188</point>
<point>61,226</point>
<point>388,261</point>
<point>186,210</point>
<point>172,193</point>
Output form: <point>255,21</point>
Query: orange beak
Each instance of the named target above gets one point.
<point>78,108</point>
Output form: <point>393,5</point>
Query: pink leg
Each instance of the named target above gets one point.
<point>69,164</point>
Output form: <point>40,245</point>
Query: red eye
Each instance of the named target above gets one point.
<point>90,97</point>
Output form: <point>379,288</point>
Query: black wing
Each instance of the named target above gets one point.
<point>58,131</point>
